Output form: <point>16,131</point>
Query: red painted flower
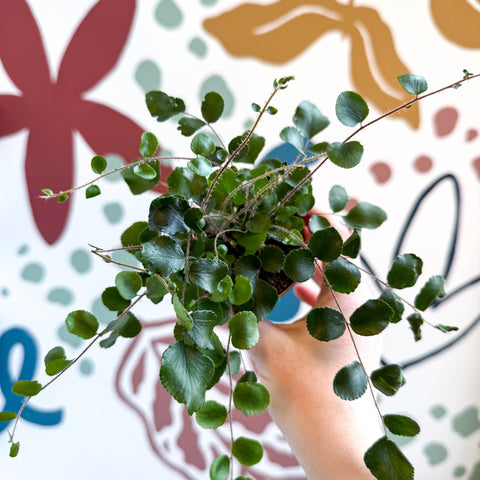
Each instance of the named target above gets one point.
<point>52,109</point>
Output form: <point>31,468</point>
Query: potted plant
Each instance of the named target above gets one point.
<point>231,234</point>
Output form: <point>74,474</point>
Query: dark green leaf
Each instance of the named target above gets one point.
<point>166,215</point>
<point>299,265</point>
<point>337,198</point>
<point>206,273</point>
<point>235,362</point>
<point>351,381</point>
<point>211,415</point>
<point>188,126</point>
<point>342,275</point>
<point>186,373</point>
<point>62,198</point>
<point>256,107</point>
<point>7,416</point>
<point>200,166</point>
<point>182,181</point>
<point>156,289</point>
<point>98,164</point>
<point>201,333</point>
<point>325,323</point>
<point>394,303</point>
<point>259,223</point>
<point>326,244</point>
<point>272,258</point>
<point>318,148</point>
<point>128,284</point>
<point>401,425</point>
<point>304,203</point>
<point>242,290</point>
<point>405,270</point>
<point>163,106</point>
<point>247,451</point>
<point>433,289</point>
<point>92,191</point>
<point>202,145</point>
<point>388,379</point>
<point>14,448</point>
<point>285,212</point>
<point>446,328</point>
<point>228,181</point>
<point>371,318</point>
<point>248,266</point>
<point>212,107</point>
<point>416,321</point>
<point>163,256</point>
<point>56,361</point>
<point>414,84</point>
<point>345,155</point>
<point>141,181</point>
<point>244,330</point>
<point>222,290</point>
<point>353,244</point>
<point>26,388</point>
<point>130,237</point>
<point>194,219</point>
<point>251,398</point>
<point>309,120</point>
<point>293,136</point>
<point>183,317</point>
<point>316,222</point>
<point>266,297</point>
<point>220,468</point>
<point>145,171</point>
<point>272,110</point>
<point>112,299</point>
<point>82,324</point>
<point>365,215</point>
<point>132,326</point>
<point>386,462</point>
<point>254,147</point>
<point>251,242</point>
<point>148,144</point>
<point>351,109</point>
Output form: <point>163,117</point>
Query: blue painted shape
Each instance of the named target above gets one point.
<point>285,309</point>
<point>9,339</point>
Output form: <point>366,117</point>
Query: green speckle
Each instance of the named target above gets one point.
<point>103,314</point>
<point>168,14</point>
<point>68,337</point>
<point>148,76</point>
<point>435,452</point>
<point>23,249</point>
<point>197,47</point>
<point>438,411</point>
<point>113,161</point>
<point>216,83</point>
<point>5,292</point>
<point>81,260</point>
<point>459,471</point>
<point>33,272</point>
<point>475,475</point>
<point>208,3</point>
<point>113,212</point>
<point>86,367</point>
<point>248,124</point>
<point>60,295</point>
<point>466,422</point>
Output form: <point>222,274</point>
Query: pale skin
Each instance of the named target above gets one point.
<point>327,435</point>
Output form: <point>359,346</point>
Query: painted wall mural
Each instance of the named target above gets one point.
<point>72,80</point>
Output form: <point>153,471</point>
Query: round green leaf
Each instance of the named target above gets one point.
<point>266,297</point>
<point>188,126</point>
<point>82,324</point>
<point>352,245</point>
<point>112,299</point>
<point>242,290</point>
<point>128,284</point>
<point>148,144</point>
<point>26,388</point>
<point>235,362</point>
<point>315,222</point>
<point>394,303</point>
<point>223,289</point>
<point>309,120</point>
<point>414,84</point>
<point>304,203</point>
<point>211,415</point>
<point>325,323</point>
<point>342,275</point>
<point>141,178</point>
<point>337,198</point>
<point>345,155</point>
<point>163,256</point>
<point>299,265</point>
<point>405,270</point>
<point>212,107</point>
<point>371,318</point>
<point>326,244</point>
<point>14,448</point>
<point>206,273</point>
<point>365,215</point>
<point>163,106</point>
<point>351,109</point>
<point>416,321</point>
<point>131,235</point>
<point>98,164</point>
<point>293,136</point>
<point>244,330</point>
<point>56,361</point>
<point>145,171</point>
<point>62,198</point>
<point>202,145</point>
<point>388,379</point>
<point>183,317</point>
<point>156,289</point>
<point>272,258</point>
<point>92,191</point>
<point>166,215</point>
<point>401,425</point>
<point>200,166</point>
<point>433,289</point>
<point>220,468</point>
<point>351,381</point>
<point>256,107</point>
<point>247,451</point>
<point>251,398</point>
<point>186,374</point>
<point>7,416</point>
<point>272,110</point>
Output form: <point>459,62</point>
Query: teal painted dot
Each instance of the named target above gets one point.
<point>216,83</point>
<point>121,256</point>
<point>68,337</point>
<point>5,292</point>
<point>466,422</point>
<point>113,161</point>
<point>81,260</point>
<point>23,249</point>
<point>248,124</point>
<point>436,453</point>
<point>168,14</point>
<point>208,3</point>
<point>103,314</point>
<point>113,212</point>
<point>148,76</point>
<point>475,475</point>
<point>198,47</point>
<point>61,295</point>
<point>33,272</point>
<point>438,411</point>
<point>459,471</point>
<point>86,366</point>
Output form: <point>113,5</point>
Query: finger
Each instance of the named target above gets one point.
<point>306,294</point>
